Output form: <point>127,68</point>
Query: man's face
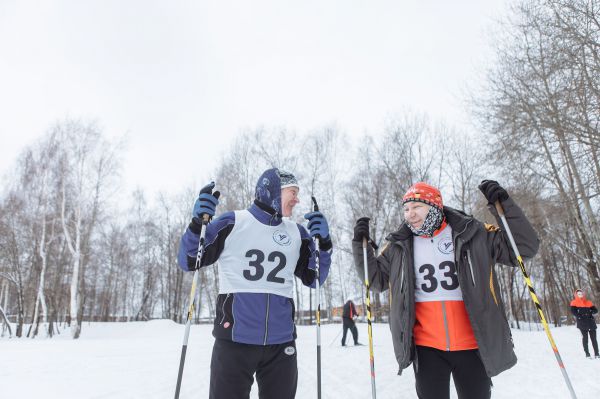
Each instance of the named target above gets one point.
<point>289,199</point>
<point>580,294</point>
<point>415,213</point>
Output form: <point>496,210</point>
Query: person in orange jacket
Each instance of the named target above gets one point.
<point>584,311</point>
<point>446,312</point>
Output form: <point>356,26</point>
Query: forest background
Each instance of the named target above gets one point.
<point>76,246</point>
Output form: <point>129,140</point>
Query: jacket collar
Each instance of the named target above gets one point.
<point>461,223</point>
<point>264,214</point>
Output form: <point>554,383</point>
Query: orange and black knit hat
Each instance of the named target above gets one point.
<point>423,192</point>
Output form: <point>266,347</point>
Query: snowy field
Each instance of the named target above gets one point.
<point>140,360</point>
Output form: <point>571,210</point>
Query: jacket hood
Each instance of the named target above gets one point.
<point>575,294</point>
<point>582,302</point>
<point>268,191</point>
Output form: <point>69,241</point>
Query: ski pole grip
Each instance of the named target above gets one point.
<point>315,206</point>
<point>499,208</point>
<point>315,209</point>
<point>364,243</point>
<point>206,217</point>
<point>375,246</point>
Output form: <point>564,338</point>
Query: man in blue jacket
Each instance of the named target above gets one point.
<point>259,252</point>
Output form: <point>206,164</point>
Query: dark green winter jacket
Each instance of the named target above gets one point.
<point>478,248</point>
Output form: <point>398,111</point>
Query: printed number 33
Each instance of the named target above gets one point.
<point>257,258</point>
<point>433,282</point>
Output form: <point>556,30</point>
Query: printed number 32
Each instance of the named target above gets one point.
<point>259,269</point>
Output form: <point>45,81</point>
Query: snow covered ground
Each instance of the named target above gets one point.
<point>140,360</point>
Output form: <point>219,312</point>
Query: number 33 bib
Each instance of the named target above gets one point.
<point>435,270</point>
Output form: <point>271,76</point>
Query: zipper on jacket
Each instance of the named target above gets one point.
<point>267,319</point>
<point>401,278</point>
<point>446,326</point>
<point>223,308</point>
<point>470,262</point>
<point>455,241</point>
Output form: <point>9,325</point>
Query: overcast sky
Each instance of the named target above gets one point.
<point>181,76</point>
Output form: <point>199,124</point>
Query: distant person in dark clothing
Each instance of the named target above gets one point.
<point>348,316</point>
<point>584,310</point>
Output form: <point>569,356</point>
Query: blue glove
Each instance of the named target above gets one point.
<point>317,225</point>
<point>207,201</point>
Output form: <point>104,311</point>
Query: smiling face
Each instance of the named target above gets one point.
<point>289,199</point>
<point>579,294</point>
<point>415,213</point>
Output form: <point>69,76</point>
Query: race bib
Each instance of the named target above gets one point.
<point>435,270</point>
<point>259,258</point>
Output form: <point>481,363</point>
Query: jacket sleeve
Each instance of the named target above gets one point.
<point>378,267</point>
<point>574,311</point>
<point>594,310</point>
<point>216,233</point>
<point>305,268</point>
<point>525,236</point>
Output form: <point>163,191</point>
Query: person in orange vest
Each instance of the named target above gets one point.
<point>349,314</point>
<point>446,312</point>
<point>584,311</point>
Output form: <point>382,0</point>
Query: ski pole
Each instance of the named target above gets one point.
<point>370,327</point>
<point>318,286</point>
<point>534,297</point>
<point>336,337</point>
<point>190,313</point>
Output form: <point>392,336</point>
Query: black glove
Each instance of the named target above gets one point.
<point>493,191</point>
<point>361,229</point>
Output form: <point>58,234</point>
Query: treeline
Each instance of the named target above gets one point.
<point>69,251</point>
<point>541,108</point>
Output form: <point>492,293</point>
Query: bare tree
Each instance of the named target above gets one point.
<point>540,109</point>
<point>86,163</point>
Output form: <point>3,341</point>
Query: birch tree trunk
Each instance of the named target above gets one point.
<point>74,246</point>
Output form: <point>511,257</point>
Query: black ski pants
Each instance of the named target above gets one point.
<point>233,366</point>
<point>433,368</point>
<point>349,325</point>
<point>584,340</point>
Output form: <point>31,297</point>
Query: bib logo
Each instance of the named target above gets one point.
<point>445,246</point>
<point>289,350</point>
<point>282,238</point>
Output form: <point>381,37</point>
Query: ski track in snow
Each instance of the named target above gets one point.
<point>141,360</point>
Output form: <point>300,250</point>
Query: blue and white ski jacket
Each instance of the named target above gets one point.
<point>258,313</point>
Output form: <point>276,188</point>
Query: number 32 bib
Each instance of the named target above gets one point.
<point>259,258</point>
<point>435,270</point>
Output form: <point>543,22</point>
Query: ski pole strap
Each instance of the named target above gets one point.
<point>205,220</point>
